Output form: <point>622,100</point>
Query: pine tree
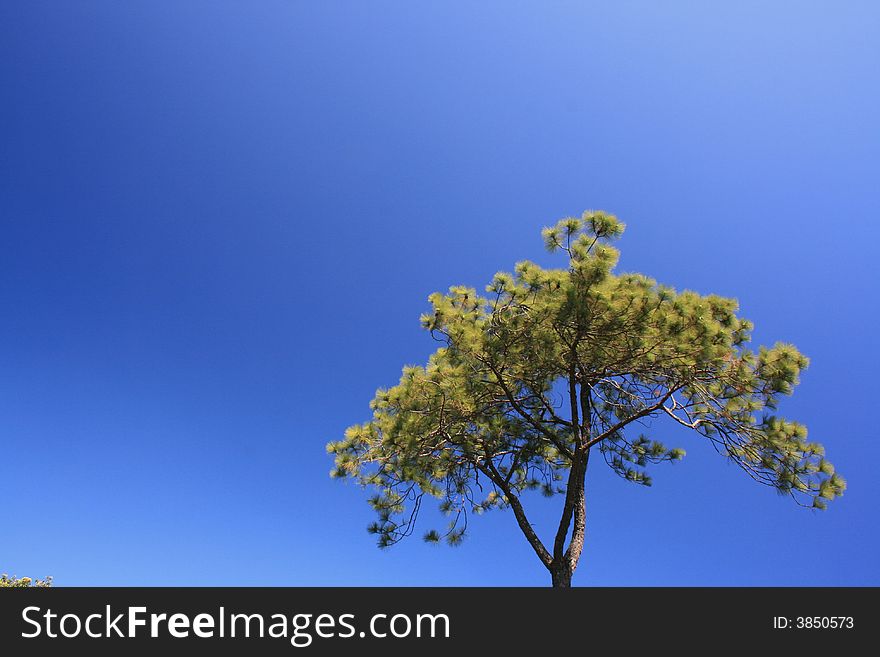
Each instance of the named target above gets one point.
<point>480,424</point>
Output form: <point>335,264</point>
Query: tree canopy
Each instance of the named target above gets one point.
<point>7,582</point>
<point>550,365</point>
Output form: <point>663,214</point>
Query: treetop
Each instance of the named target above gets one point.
<point>547,364</point>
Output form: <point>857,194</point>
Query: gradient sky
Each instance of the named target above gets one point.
<point>221,221</point>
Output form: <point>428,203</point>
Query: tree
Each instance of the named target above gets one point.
<point>7,582</point>
<point>482,423</point>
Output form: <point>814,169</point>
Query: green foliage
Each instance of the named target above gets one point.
<point>550,363</point>
<point>7,582</point>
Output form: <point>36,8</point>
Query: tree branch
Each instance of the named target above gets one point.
<point>526,416</point>
<point>645,411</point>
<point>489,470</point>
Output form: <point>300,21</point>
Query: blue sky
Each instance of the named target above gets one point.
<point>221,221</point>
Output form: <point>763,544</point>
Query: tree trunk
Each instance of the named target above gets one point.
<point>560,575</point>
<point>565,561</point>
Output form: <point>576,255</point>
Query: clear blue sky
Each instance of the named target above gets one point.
<point>221,221</point>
